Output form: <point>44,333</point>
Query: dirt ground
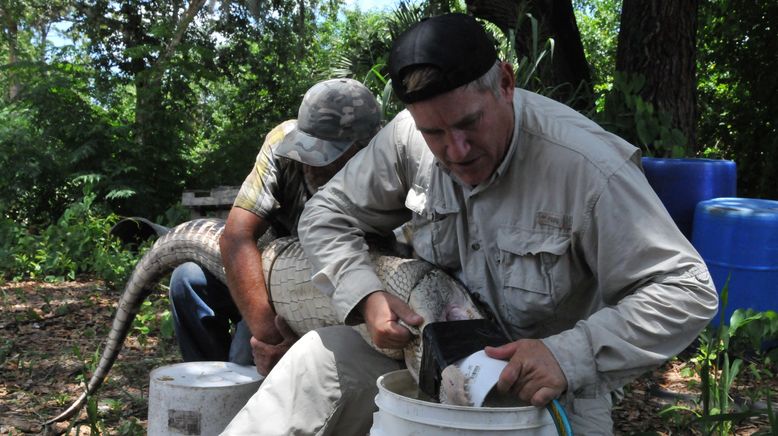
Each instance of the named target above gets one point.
<point>49,334</point>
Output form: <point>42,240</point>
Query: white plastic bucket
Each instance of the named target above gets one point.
<point>399,413</point>
<point>198,398</point>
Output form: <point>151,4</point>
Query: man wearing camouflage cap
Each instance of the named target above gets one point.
<point>336,119</point>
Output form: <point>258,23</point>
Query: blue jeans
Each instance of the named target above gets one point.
<point>203,314</point>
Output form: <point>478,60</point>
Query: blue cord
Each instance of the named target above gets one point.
<point>559,416</point>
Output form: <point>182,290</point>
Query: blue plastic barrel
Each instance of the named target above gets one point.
<point>738,238</point>
<point>682,183</point>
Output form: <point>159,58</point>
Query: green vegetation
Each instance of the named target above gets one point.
<point>598,22</point>
<point>140,100</point>
<point>153,317</point>
<point>722,350</point>
<point>738,91</point>
<point>147,100</point>
<point>626,114</point>
<point>77,244</point>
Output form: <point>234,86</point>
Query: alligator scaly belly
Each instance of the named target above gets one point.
<point>429,291</point>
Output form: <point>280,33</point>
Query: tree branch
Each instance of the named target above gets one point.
<point>191,12</point>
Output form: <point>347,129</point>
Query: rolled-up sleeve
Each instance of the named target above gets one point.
<point>259,192</point>
<point>657,292</point>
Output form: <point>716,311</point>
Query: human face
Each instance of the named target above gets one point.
<point>468,130</point>
<point>316,177</point>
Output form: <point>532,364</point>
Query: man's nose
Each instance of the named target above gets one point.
<point>458,146</point>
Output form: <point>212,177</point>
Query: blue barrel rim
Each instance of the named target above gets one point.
<point>739,207</point>
<point>675,160</point>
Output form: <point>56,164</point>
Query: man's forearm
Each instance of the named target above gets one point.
<point>245,279</point>
<point>247,287</point>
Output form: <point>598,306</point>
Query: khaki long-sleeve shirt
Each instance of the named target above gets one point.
<point>566,242</point>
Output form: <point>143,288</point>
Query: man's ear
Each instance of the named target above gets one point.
<point>507,80</point>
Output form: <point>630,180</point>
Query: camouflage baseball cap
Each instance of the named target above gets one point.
<point>333,115</point>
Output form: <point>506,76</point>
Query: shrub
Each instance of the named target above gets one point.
<point>77,244</point>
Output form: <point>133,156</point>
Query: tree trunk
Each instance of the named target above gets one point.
<point>301,28</point>
<point>658,40</point>
<point>14,87</point>
<point>556,20</point>
<point>148,79</point>
<point>10,34</point>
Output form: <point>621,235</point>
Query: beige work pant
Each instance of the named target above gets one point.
<point>326,385</point>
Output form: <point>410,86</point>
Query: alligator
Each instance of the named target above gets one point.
<point>431,292</point>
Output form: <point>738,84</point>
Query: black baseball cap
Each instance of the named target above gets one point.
<point>456,44</point>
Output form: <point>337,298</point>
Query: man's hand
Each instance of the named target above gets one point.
<point>382,311</point>
<point>266,355</point>
<point>268,331</point>
<point>532,373</point>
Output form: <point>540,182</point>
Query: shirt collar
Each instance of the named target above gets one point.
<point>513,146</point>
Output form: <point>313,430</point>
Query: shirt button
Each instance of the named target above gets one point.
<point>476,246</point>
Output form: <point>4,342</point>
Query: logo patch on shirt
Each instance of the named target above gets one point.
<point>556,220</point>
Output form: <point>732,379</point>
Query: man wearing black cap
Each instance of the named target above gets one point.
<point>336,119</point>
<point>542,214</point>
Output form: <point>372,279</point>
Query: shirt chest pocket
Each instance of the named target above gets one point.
<point>434,234</point>
<point>533,272</point>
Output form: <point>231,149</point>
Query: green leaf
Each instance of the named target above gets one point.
<point>166,326</point>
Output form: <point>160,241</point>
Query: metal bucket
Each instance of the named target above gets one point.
<point>198,398</point>
<point>400,412</point>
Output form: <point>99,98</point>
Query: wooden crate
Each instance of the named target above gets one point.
<point>214,203</point>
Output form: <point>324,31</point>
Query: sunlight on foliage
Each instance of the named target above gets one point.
<point>77,244</point>
<point>628,115</point>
